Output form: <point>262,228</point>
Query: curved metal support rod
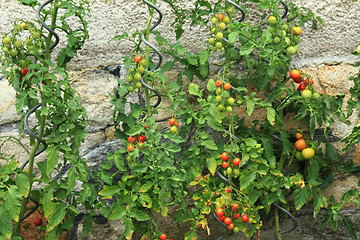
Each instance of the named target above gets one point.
<point>52,32</point>
<point>292,218</point>
<point>33,209</point>
<point>238,7</point>
<point>31,133</point>
<point>286,9</point>
<point>157,52</point>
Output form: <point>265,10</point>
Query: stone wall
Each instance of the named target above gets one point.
<point>325,53</point>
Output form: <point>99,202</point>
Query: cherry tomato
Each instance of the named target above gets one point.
<point>229,109</point>
<point>236,172</point>
<point>6,40</point>
<point>172,121</point>
<point>291,50</point>
<point>307,81</point>
<point>298,156</point>
<point>218,98</point>
<point>272,20</point>
<point>227,221</point>
<point>174,129</point>
<point>302,87</point>
<point>220,17</point>
<point>131,139</point>
<point>137,76</point>
<point>219,212</point>
<point>316,95</point>
<point>220,107</point>
<point>227,86</point>
<point>130,147</point>
<point>236,162</point>
<point>244,218</point>
<point>37,221</point>
<point>225,164</point>
<point>23,25</point>
<point>231,101</point>
<point>24,71</point>
<point>277,40</point>
<point>297,30</point>
<point>163,236</point>
<point>231,226</point>
<point>226,19</point>
<point>218,45</point>
<point>137,58</point>
<point>235,206</point>
<point>222,26</point>
<point>218,83</point>
<point>219,36</point>
<point>295,75</point>
<point>141,138</point>
<point>236,215</point>
<point>299,136</point>
<point>224,156</point>
<point>300,144</point>
<point>211,41</point>
<point>222,218</point>
<point>306,94</point>
<point>308,153</point>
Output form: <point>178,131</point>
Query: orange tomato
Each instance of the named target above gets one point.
<point>295,75</point>
<point>227,86</point>
<point>300,144</point>
<point>299,136</point>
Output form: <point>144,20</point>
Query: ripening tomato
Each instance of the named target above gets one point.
<point>227,221</point>
<point>302,86</point>
<point>219,212</point>
<point>218,83</point>
<point>24,71</point>
<point>307,94</point>
<point>272,20</point>
<point>225,164</point>
<point>137,58</point>
<point>131,139</point>
<point>307,81</point>
<point>174,129</point>
<point>299,136</point>
<point>228,190</point>
<point>211,41</point>
<point>222,26</point>
<point>295,75</point>
<point>308,153</point>
<point>231,226</point>
<point>227,86</point>
<point>220,17</point>
<point>37,221</point>
<point>300,144</point>
<point>219,36</point>
<point>224,156</point>
<point>130,147</point>
<point>297,30</point>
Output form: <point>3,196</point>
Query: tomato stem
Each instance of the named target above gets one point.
<point>52,26</point>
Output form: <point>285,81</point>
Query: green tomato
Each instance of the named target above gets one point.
<point>229,109</point>
<point>140,69</point>
<point>137,76</point>
<point>222,26</point>
<point>272,20</point>
<point>213,20</point>
<point>214,49</point>
<point>14,52</point>
<point>211,41</point>
<point>316,95</point>
<point>36,34</point>
<point>287,41</point>
<point>220,107</point>
<point>277,40</point>
<point>218,45</point>
<point>6,40</point>
<point>18,44</point>
<point>236,172</point>
<point>291,50</point>
<point>297,48</point>
<point>131,88</point>
<point>270,29</point>
<point>226,19</point>
<point>297,39</point>
<point>229,170</point>
<point>138,85</point>
<point>307,94</point>
<point>129,78</point>
<point>28,41</point>
<point>298,156</point>
<point>231,101</point>
<point>5,49</point>
<point>219,36</point>
<point>285,27</point>
<point>218,98</point>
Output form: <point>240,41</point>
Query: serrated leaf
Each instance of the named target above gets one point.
<point>146,187</point>
<point>13,202</point>
<point>194,90</point>
<point>211,86</point>
<point>5,223</point>
<point>129,228</point>
<point>109,191</point>
<point>57,217</point>
<point>22,182</point>
<point>266,37</point>
<point>233,37</point>
<point>118,213</point>
<point>192,60</point>
<point>349,227</point>
<point>209,144</point>
<point>52,158</point>
<point>204,56</point>
<point>211,165</point>
<point>270,114</point>
<point>246,49</point>
<point>170,147</point>
<point>301,197</point>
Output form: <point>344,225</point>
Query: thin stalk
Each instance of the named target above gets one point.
<point>52,26</point>
<point>277,224</point>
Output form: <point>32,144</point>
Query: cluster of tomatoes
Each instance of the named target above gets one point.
<point>305,84</point>
<point>223,98</point>
<point>220,213</point>
<point>284,32</point>
<point>303,151</point>
<point>174,125</point>
<point>219,22</point>
<point>136,141</point>
<point>135,73</point>
<point>226,165</point>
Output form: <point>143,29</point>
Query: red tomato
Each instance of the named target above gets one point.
<point>227,221</point>
<point>172,121</point>
<point>228,190</point>
<point>300,144</point>
<point>141,138</point>
<point>236,215</point>
<point>137,59</point>
<point>302,86</point>
<point>244,218</point>
<point>224,156</point>
<point>163,236</point>
<point>37,221</point>
<point>227,86</point>
<point>219,212</point>
<point>24,71</point>
<point>225,164</point>
<point>218,83</point>
<point>222,218</point>
<point>236,161</point>
<point>235,206</point>
<point>131,139</point>
<point>307,82</point>
<point>231,226</point>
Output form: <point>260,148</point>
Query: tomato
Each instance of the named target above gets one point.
<point>225,164</point>
<point>24,71</point>
<point>176,124</point>
<point>235,206</point>
<point>244,218</point>
<point>224,156</point>
<point>236,172</point>
<point>295,75</point>
<point>222,26</point>
<point>308,153</point>
<point>131,88</point>
<point>218,83</point>
<point>307,81</point>
<point>298,156</point>
<point>222,218</point>
<point>129,79</point>
<point>228,190</point>
<point>18,44</point>
<point>220,107</point>
<point>219,36</point>
<point>287,41</point>
<point>218,45</point>
<point>236,161</point>
<point>213,20</point>
<point>231,101</point>
<point>137,58</point>
<point>23,25</point>
<point>227,86</point>
<point>270,29</point>
<point>236,215</point>
<point>138,85</point>
<point>277,40</point>
<point>236,230</point>
<point>37,221</point>
<point>300,144</point>
<point>229,109</point>
<point>6,40</point>
<point>218,91</point>
<point>220,17</point>
<point>130,147</point>
<point>306,94</point>
<point>291,50</point>
<point>226,19</point>
<point>316,95</point>
<point>272,20</point>
<point>299,136</point>
<point>137,76</point>
<point>297,30</point>
<point>163,236</point>
<point>174,129</point>
<point>231,226</point>
<point>219,212</point>
<point>14,52</point>
<point>140,69</point>
<point>172,121</point>
<point>212,41</point>
<point>229,170</point>
<point>227,221</point>
<point>302,86</point>
<point>131,139</point>
<point>141,138</point>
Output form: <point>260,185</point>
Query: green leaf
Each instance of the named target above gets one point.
<point>52,159</point>
<point>331,154</point>
<point>5,223</point>
<point>129,228</point>
<point>192,60</point>
<point>211,86</point>
<point>301,197</point>
<point>22,182</point>
<point>57,217</point>
<point>271,115</point>
<point>266,37</point>
<point>118,213</point>
<point>247,179</point>
<point>204,56</point>
<point>349,227</point>
<point>109,191</point>
<point>171,147</point>
<point>194,90</point>
<point>233,37</point>
<point>140,216</point>
<point>209,144</point>
<point>87,226</point>
<point>250,106</point>
<point>13,202</point>
<point>146,187</point>
<point>246,49</point>
<point>134,131</point>
<point>211,165</point>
